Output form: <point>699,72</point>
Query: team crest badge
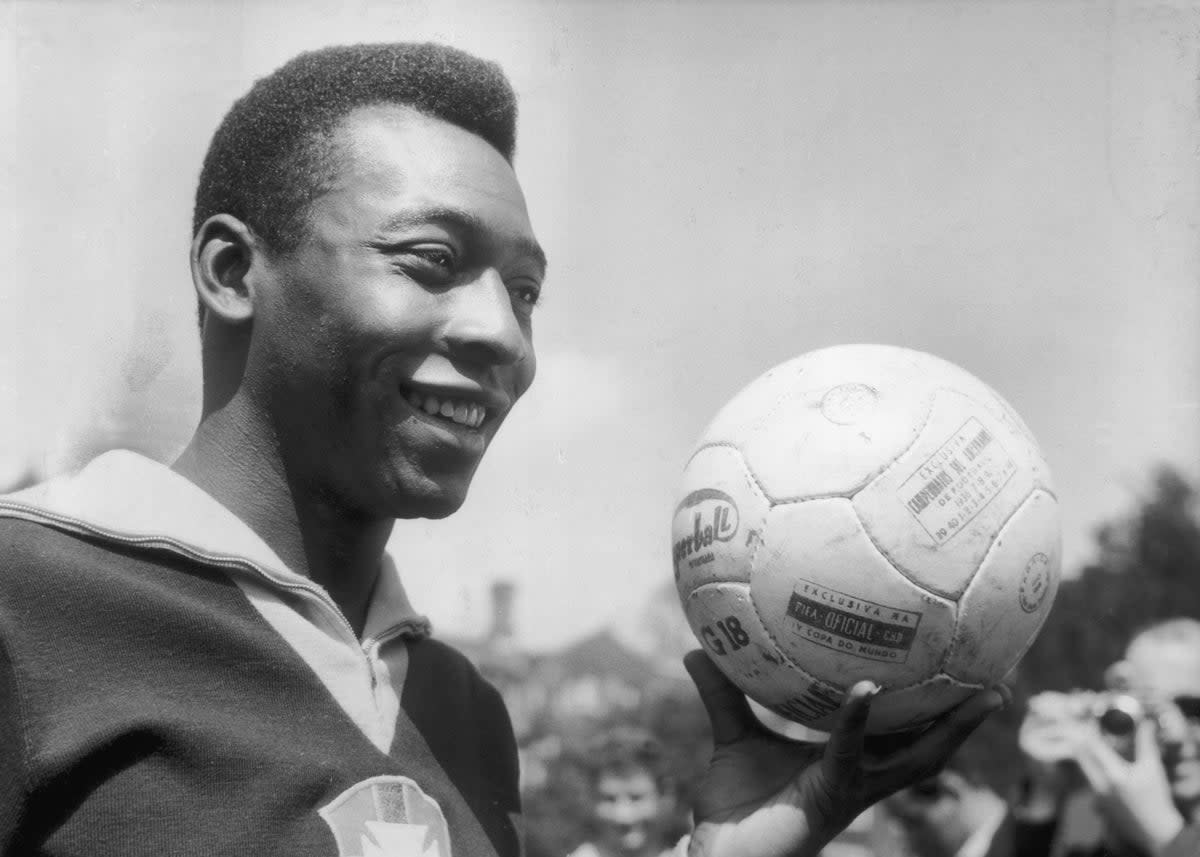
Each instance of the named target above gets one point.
<point>387,817</point>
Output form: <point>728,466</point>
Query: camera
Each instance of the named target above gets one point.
<point>1056,722</point>
<point>1118,715</point>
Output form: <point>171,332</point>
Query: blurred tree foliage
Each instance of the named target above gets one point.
<point>1147,568</point>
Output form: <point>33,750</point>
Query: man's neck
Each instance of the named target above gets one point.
<point>238,462</point>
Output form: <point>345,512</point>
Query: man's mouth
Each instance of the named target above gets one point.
<point>1186,775</point>
<point>459,411</point>
<point>633,838</point>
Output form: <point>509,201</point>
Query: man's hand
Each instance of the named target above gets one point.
<point>1055,725</point>
<point>1134,797</point>
<point>766,796</point>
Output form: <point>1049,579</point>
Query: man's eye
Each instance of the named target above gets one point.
<point>527,295</point>
<point>430,265</point>
<point>438,256</point>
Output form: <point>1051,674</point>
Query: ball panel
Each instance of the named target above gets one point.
<point>908,707</point>
<point>718,522</point>
<point>724,620</point>
<point>1010,597</point>
<point>937,509</point>
<point>751,406</point>
<point>814,704</point>
<point>836,606</point>
<point>841,422</point>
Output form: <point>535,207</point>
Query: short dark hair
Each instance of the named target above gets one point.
<point>270,156</point>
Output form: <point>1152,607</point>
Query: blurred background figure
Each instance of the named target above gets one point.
<point>1118,772</point>
<point>632,795</point>
<point>1162,670</point>
<point>952,814</point>
<point>961,811</point>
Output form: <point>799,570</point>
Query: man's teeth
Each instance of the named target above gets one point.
<point>463,413</point>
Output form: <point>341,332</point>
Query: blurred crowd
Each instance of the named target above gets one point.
<point>1111,773</point>
<point>1103,773</point>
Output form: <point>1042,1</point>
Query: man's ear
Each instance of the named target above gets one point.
<point>224,254</point>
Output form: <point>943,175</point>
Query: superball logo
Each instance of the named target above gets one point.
<point>703,518</point>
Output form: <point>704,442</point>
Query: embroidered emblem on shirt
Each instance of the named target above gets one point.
<point>387,817</point>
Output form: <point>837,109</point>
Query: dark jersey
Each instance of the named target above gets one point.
<point>164,690</point>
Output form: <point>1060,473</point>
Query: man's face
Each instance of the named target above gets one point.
<point>1168,671</point>
<point>630,810</point>
<point>391,344</point>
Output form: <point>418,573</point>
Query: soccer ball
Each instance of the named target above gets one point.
<point>866,512</point>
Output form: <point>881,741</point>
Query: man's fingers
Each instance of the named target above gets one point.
<point>843,753</point>
<point>931,749</point>
<point>1093,771</point>
<point>728,712</point>
<point>1101,764</point>
<point>1146,745</point>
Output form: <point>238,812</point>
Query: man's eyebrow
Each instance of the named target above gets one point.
<point>461,219</point>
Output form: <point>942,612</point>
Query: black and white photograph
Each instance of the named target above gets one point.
<point>600,428</point>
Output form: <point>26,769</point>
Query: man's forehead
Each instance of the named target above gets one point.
<point>391,171</point>
<point>403,163</point>
<point>1171,667</point>
<point>384,136</point>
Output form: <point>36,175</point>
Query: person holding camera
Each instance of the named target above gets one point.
<point>1131,753</point>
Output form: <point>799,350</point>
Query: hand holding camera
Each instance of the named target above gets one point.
<point>1133,794</point>
<point>1055,725</point>
<point>1112,743</point>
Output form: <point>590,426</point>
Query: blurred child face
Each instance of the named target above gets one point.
<point>631,812</point>
<point>935,813</point>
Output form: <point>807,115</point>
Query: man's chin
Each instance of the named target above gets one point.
<point>435,511</point>
<point>427,498</point>
<point>631,842</point>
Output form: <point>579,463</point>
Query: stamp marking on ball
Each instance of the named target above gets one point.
<point>814,703</point>
<point>852,625</point>
<point>958,481</point>
<point>1035,583</point>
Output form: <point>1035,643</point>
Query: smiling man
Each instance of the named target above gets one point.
<point>218,657</point>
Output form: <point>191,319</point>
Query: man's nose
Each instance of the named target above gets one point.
<point>625,812</point>
<point>482,326</point>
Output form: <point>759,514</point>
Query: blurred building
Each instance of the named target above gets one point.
<point>559,695</point>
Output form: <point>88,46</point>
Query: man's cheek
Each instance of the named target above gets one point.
<point>527,371</point>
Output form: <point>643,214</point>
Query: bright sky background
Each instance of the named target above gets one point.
<point>1011,186</point>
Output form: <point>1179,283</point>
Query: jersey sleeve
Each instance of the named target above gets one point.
<point>500,758</point>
